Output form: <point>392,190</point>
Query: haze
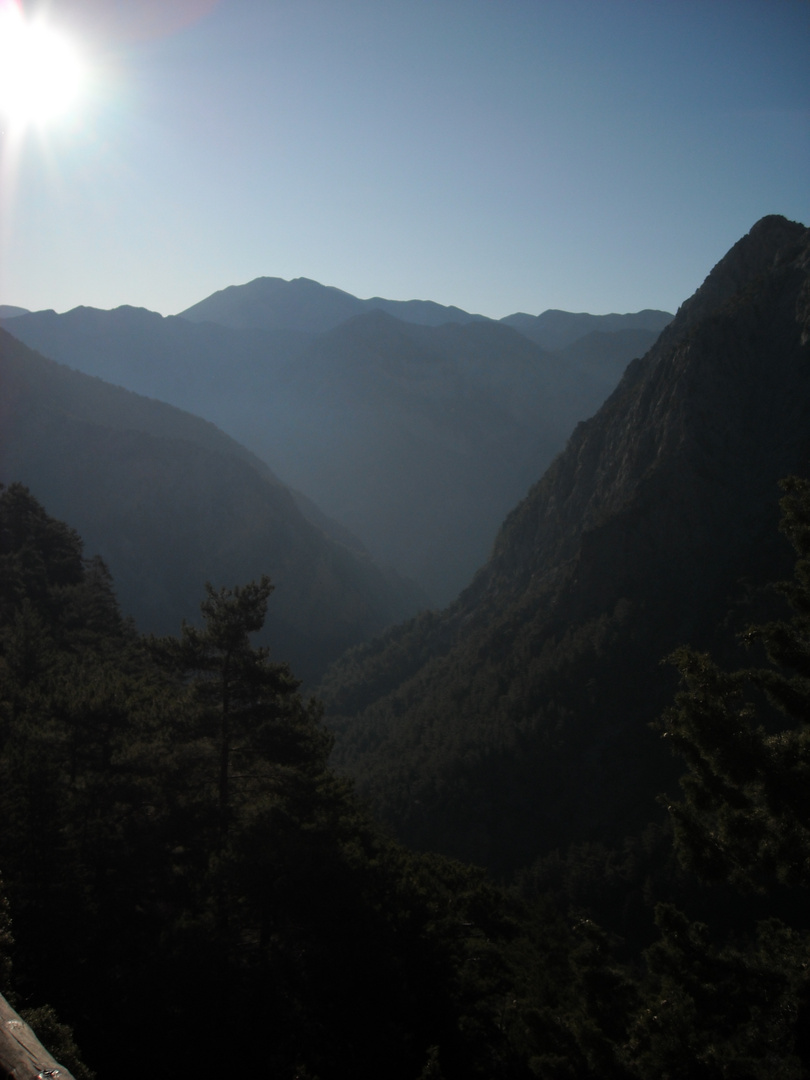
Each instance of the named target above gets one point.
<point>501,157</point>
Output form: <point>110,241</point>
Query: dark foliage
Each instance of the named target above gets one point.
<point>170,501</point>
<point>516,722</point>
<point>187,878</point>
<point>746,812</point>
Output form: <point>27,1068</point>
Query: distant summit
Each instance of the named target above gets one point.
<point>8,311</point>
<point>557,329</point>
<point>417,438</point>
<point>269,303</point>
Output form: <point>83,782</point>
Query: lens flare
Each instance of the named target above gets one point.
<point>40,70</point>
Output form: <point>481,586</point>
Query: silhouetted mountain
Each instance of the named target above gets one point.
<point>441,429</point>
<point>417,439</point>
<point>192,366</point>
<point>169,502</point>
<point>302,304</point>
<point>594,364</point>
<point>555,329</point>
<point>517,720</point>
<point>307,306</point>
<point>8,311</point>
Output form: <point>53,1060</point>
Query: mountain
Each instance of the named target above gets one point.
<point>170,501</point>
<point>555,329</point>
<point>201,368</point>
<point>416,438</point>
<point>420,438</point>
<point>305,305</point>
<point>8,311</point>
<point>517,720</point>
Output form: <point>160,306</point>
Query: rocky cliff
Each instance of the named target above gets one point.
<point>519,718</point>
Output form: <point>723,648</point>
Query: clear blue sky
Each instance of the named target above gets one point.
<point>501,155</point>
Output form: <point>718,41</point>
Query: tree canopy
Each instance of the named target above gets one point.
<point>184,876</point>
<point>745,815</point>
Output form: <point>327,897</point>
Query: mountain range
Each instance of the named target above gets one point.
<point>517,720</point>
<point>415,426</point>
<point>309,307</point>
<point>305,305</point>
<point>178,791</point>
<point>169,501</point>
<point>554,329</point>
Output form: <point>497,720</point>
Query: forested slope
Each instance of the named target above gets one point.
<point>187,881</point>
<point>184,880</point>
<point>170,502</point>
<point>518,719</point>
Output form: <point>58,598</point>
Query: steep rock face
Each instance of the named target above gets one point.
<point>518,719</point>
<point>170,502</point>
<point>700,425</point>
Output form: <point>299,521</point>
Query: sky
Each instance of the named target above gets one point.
<point>498,155</point>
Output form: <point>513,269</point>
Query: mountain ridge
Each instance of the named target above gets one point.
<point>556,329</point>
<point>304,304</point>
<point>516,720</point>
<point>420,459</point>
<point>170,501</point>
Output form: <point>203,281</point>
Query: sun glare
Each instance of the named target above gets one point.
<point>40,70</point>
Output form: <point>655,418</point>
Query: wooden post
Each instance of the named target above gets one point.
<point>22,1055</point>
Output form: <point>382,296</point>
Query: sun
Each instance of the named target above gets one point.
<point>40,69</point>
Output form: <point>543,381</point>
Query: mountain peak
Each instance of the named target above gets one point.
<point>772,240</point>
<point>520,715</point>
<point>307,306</point>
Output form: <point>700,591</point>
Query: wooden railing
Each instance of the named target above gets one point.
<point>22,1055</point>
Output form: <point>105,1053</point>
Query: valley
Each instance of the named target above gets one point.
<point>538,807</point>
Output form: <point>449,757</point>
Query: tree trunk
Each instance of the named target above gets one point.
<point>22,1055</point>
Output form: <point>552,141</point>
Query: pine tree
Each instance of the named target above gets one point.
<point>718,1005</point>
<point>247,707</point>
<point>175,848</point>
<point>746,812</point>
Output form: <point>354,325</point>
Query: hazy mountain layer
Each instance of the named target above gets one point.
<point>170,502</point>
<point>305,305</point>
<point>555,329</point>
<point>203,369</point>
<point>518,719</point>
<point>418,439</point>
<point>422,438</point>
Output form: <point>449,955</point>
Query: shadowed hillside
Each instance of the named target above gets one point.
<point>555,329</point>
<point>306,305</point>
<point>517,720</point>
<point>417,438</point>
<point>169,501</point>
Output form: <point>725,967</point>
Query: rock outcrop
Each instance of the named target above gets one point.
<point>519,718</point>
